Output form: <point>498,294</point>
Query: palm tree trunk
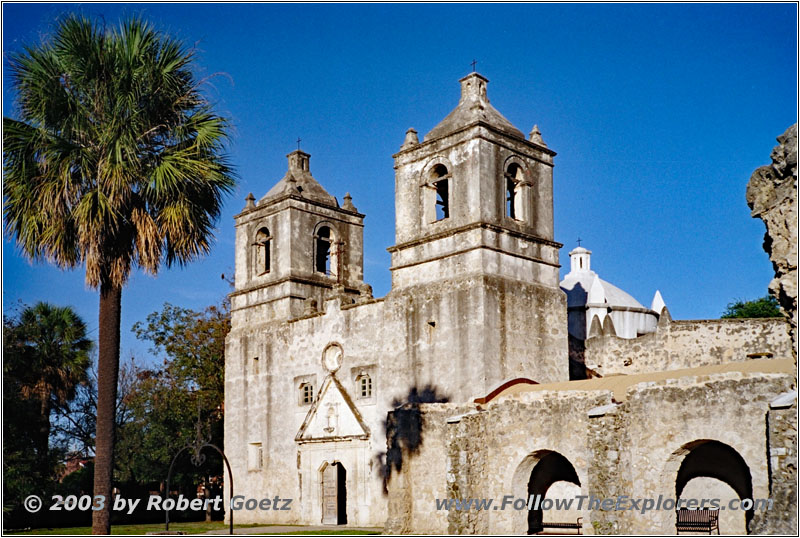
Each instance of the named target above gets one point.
<point>107,373</point>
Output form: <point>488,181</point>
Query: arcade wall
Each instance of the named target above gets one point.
<point>635,448</point>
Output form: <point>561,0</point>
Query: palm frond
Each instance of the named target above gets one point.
<point>116,157</point>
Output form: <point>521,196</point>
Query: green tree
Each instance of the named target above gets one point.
<point>49,359</point>
<point>194,343</point>
<point>166,403</point>
<point>765,307</point>
<point>21,474</point>
<point>116,160</point>
<point>45,362</point>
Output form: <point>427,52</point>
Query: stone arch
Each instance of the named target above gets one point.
<point>258,249</point>
<point>428,170</point>
<point>712,459</point>
<point>327,249</point>
<point>516,189</point>
<point>519,161</point>
<point>437,190</point>
<point>263,250</point>
<point>537,472</point>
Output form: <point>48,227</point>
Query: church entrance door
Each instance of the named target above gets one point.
<point>334,494</point>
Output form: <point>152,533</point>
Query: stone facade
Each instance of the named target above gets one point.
<point>314,363</point>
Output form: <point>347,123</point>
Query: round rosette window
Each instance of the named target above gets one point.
<point>332,357</point>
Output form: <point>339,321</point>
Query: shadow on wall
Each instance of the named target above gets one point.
<point>403,427</point>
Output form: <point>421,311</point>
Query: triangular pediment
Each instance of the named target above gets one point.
<point>332,416</point>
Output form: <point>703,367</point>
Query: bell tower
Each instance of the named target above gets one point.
<point>295,248</point>
<point>474,197</point>
<point>474,261</point>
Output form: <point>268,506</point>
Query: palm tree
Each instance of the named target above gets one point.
<point>50,359</point>
<point>117,160</point>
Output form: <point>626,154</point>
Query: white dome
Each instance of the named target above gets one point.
<point>583,286</point>
<point>577,286</point>
<point>590,298</point>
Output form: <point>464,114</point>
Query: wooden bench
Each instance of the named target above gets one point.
<point>578,525</point>
<point>697,521</point>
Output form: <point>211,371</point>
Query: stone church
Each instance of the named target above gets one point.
<point>477,331</point>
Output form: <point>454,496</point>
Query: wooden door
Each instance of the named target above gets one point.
<point>330,501</point>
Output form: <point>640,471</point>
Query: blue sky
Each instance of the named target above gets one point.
<point>659,114</point>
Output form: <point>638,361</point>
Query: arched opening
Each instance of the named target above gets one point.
<point>263,251</point>
<point>326,254</point>
<point>553,474</point>
<point>334,494</point>
<point>713,470</point>
<point>515,192</point>
<point>441,184</point>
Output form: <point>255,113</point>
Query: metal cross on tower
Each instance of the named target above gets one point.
<point>474,63</point>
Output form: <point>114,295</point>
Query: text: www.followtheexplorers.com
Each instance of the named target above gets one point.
<point>590,502</point>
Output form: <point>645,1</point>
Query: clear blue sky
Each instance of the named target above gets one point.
<point>659,114</point>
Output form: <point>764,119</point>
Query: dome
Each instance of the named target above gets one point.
<point>583,286</point>
<point>578,286</point>
<point>591,299</point>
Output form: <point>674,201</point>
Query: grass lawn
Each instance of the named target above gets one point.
<point>192,527</point>
<point>334,531</point>
<point>189,528</point>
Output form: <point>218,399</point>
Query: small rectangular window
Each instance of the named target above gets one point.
<point>365,386</point>
<point>306,393</point>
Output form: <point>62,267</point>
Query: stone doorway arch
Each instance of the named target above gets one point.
<point>537,473</point>
<point>333,480</point>
<point>709,468</point>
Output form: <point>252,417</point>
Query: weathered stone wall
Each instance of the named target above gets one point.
<point>782,438</point>
<point>421,476</point>
<point>688,344</point>
<point>492,453</point>
<point>456,338</point>
<point>263,406</point>
<point>772,196</point>
<point>729,408</point>
<point>606,473</point>
<point>635,448</point>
